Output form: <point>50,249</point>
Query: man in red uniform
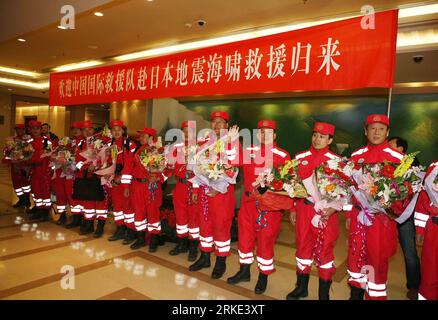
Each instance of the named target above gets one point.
<point>93,207</point>
<point>426,222</point>
<point>20,172</point>
<point>307,235</point>
<point>370,247</point>
<point>186,211</point>
<point>63,184</point>
<point>146,195</point>
<point>257,158</point>
<point>215,225</point>
<point>120,203</point>
<point>40,174</point>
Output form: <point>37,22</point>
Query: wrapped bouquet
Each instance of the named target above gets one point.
<point>388,188</point>
<point>329,187</point>
<point>63,157</point>
<point>211,166</point>
<point>18,150</point>
<point>282,183</point>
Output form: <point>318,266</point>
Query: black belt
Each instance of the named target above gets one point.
<point>36,165</point>
<point>142,180</point>
<point>184,180</point>
<point>310,203</point>
<point>435,220</point>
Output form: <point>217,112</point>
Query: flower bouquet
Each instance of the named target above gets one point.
<point>329,187</point>
<point>388,188</point>
<point>18,150</point>
<point>63,157</point>
<point>212,168</point>
<point>281,183</point>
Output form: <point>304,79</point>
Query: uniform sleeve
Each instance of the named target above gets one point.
<point>422,212</point>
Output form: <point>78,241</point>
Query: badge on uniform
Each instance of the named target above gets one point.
<point>361,160</point>
<point>305,162</point>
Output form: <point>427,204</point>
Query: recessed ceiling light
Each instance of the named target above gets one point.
<point>21,40</point>
<point>62,27</point>
<point>149,0</point>
<point>9,89</point>
<point>98,14</point>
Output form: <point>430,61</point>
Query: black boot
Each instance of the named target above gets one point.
<point>202,262</point>
<point>301,287</point>
<point>243,275</point>
<point>119,234</point>
<point>62,219</point>
<point>87,227</point>
<point>219,267</point>
<point>20,202</point>
<point>356,293</point>
<point>76,222</point>
<point>140,242</point>
<point>193,250</point>
<point>130,237</point>
<point>26,200</point>
<point>34,214</point>
<point>262,283</point>
<point>45,215</point>
<point>99,229</point>
<point>181,247</point>
<point>153,245</point>
<point>324,289</point>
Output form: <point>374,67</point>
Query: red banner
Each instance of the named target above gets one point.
<point>338,55</point>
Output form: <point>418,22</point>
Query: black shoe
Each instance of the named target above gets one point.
<point>181,247</point>
<point>161,241</point>
<point>20,202</point>
<point>34,214</point>
<point>219,267</point>
<point>202,262</point>
<point>356,293</point>
<point>130,237</point>
<point>45,215</point>
<point>153,245</point>
<point>324,289</point>
<point>140,242</point>
<point>262,283</point>
<point>193,250</point>
<point>99,229</point>
<point>301,287</point>
<point>26,200</point>
<point>243,275</point>
<point>87,227</point>
<point>119,234</point>
<point>62,219</point>
<point>76,222</point>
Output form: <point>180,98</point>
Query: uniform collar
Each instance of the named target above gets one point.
<point>315,151</point>
<point>381,146</point>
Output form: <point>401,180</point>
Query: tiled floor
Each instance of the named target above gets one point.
<point>33,265</point>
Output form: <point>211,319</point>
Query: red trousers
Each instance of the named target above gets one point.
<point>63,189</point>
<point>429,263</point>
<point>250,232</point>
<point>215,219</point>
<point>314,242</point>
<point>146,199</point>
<point>186,212</point>
<point>20,181</point>
<point>40,186</point>
<point>121,206</point>
<point>369,249</point>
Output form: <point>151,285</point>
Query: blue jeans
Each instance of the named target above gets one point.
<point>406,237</point>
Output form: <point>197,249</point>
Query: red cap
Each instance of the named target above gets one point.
<point>87,124</point>
<point>19,126</point>
<point>76,124</point>
<point>379,118</point>
<point>149,131</point>
<point>220,114</point>
<point>188,123</point>
<point>116,123</point>
<point>270,124</point>
<point>35,123</point>
<point>324,128</point>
